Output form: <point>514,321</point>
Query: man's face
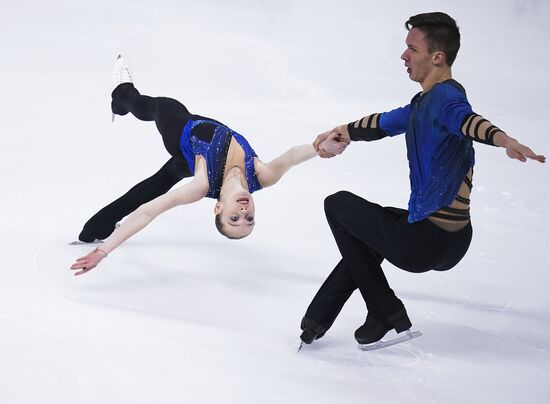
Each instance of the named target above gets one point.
<point>418,61</point>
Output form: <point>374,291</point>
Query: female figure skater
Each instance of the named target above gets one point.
<point>223,165</point>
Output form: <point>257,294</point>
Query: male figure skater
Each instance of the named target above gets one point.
<point>435,232</point>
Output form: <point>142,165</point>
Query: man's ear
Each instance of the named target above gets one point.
<point>439,58</point>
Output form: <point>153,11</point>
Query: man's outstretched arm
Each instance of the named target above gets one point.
<point>481,130</point>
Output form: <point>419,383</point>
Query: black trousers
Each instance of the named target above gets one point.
<point>366,234</point>
<point>170,117</point>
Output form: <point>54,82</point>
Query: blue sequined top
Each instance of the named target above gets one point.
<point>439,155</point>
<point>215,154</point>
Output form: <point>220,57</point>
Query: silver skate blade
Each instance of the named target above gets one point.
<point>78,242</point>
<point>383,344</point>
<point>300,347</point>
<point>112,117</point>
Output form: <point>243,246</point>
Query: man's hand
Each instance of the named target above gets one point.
<point>330,143</point>
<point>88,262</point>
<point>516,150</point>
<point>332,146</point>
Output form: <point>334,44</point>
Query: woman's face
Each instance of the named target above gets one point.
<point>237,213</point>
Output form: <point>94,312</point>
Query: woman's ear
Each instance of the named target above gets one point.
<point>217,207</point>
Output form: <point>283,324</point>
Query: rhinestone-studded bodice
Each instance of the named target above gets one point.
<point>215,154</point>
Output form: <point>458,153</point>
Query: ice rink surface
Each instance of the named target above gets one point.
<point>178,314</point>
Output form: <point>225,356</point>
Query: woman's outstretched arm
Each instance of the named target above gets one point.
<point>328,146</point>
<point>270,173</point>
<point>141,217</point>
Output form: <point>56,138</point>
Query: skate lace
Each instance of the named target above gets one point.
<point>124,75</point>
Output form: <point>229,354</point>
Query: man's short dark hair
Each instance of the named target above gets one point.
<point>441,33</point>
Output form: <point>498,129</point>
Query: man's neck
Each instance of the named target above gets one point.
<point>436,76</point>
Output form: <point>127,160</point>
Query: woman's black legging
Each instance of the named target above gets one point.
<point>170,117</point>
<point>366,234</point>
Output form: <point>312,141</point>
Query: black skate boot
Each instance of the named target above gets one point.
<point>312,330</point>
<point>118,99</point>
<point>374,329</point>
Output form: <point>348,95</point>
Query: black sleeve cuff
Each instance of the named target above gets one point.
<point>365,134</point>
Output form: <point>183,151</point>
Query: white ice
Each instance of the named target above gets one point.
<point>179,314</point>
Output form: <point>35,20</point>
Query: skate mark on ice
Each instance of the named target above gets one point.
<point>23,389</point>
<point>384,343</point>
<point>506,338</point>
<point>346,355</point>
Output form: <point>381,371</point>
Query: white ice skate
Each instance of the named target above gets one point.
<point>96,241</point>
<point>401,337</point>
<point>121,73</point>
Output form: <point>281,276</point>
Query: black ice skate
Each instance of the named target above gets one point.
<point>79,242</point>
<point>84,238</point>
<point>312,330</point>
<point>369,335</point>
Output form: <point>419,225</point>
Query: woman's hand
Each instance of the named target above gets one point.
<point>332,146</point>
<point>330,143</point>
<point>88,262</point>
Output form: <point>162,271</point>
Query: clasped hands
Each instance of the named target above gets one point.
<point>333,142</point>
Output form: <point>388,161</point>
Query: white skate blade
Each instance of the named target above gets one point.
<point>78,242</point>
<point>383,344</point>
